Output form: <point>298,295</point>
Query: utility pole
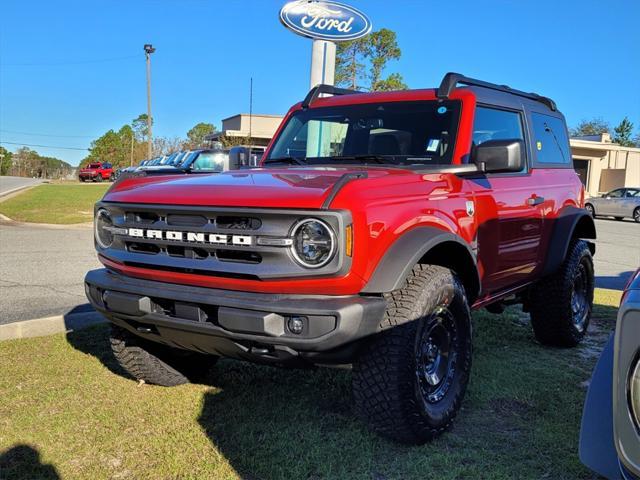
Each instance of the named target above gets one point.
<point>148,50</point>
<point>250,112</point>
<point>131,164</point>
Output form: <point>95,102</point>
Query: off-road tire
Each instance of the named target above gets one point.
<point>550,302</point>
<point>82,179</point>
<point>636,215</point>
<point>155,363</point>
<point>386,382</point>
<point>99,178</point>
<point>590,208</point>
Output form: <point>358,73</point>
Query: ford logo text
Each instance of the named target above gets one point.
<point>325,20</point>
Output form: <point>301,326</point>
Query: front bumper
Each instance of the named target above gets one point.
<point>244,325</point>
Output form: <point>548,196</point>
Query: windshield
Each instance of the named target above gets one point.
<point>94,165</point>
<point>400,133</point>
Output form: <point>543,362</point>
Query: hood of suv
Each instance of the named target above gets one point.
<point>272,188</point>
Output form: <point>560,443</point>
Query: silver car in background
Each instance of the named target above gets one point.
<point>619,203</point>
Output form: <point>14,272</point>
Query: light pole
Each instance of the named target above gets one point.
<point>148,50</point>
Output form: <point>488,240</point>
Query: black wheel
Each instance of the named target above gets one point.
<point>99,178</point>
<point>409,381</point>
<point>589,208</point>
<point>82,179</point>
<point>619,218</point>
<point>561,303</point>
<point>636,215</point>
<point>156,363</point>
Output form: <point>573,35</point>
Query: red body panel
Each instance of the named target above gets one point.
<point>509,235</point>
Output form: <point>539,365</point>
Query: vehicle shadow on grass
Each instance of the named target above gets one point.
<point>271,423</point>
<point>23,461</point>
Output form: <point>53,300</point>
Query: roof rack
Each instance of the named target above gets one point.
<point>318,90</point>
<point>451,80</point>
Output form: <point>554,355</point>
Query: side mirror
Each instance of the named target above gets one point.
<point>243,157</point>
<point>499,156</point>
<point>239,157</point>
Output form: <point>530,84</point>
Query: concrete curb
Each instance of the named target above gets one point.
<point>4,220</point>
<point>18,189</point>
<point>41,327</point>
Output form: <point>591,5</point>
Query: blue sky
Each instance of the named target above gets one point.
<point>584,54</point>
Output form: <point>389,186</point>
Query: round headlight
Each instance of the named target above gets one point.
<point>102,228</point>
<point>314,243</point>
<point>634,391</point>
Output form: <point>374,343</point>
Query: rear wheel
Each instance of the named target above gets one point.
<point>409,382</point>
<point>589,208</point>
<point>82,179</point>
<point>561,303</point>
<point>636,215</point>
<point>155,363</point>
<point>99,177</point>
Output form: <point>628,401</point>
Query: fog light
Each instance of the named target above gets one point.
<point>296,325</point>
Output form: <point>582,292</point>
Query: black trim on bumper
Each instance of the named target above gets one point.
<point>250,326</point>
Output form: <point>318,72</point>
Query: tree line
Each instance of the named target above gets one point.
<point>25,162</point>
<point>128,145</point>
<point>622,134</point>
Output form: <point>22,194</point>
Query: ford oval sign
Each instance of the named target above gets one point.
<point>325,20</point>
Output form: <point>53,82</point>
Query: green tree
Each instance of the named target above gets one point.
<point>198,132</point>
<point>622,133</point>
<point>595,126</point>
<point>140,127</point>
<point>5,161</point>
<point>360,63</point>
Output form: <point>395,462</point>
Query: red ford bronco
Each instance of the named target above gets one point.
<point>96,172</point>
<point>375,223</point>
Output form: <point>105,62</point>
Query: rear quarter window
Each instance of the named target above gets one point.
<point>550,141</point>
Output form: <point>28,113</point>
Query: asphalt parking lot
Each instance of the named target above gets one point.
<point>42,269</point>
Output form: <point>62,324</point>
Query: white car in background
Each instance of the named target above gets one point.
<point>619,203</point>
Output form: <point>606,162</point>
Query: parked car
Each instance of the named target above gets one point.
<point>610,433</point>
<point>97,172</point>
<point>376,223</point>
<point>619,203</point>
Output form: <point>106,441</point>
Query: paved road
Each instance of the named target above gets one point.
<point>617,252</point>
<point>41,270</point>
<point>8,184</point>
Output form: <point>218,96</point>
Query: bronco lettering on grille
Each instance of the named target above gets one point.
<point>195,237</point>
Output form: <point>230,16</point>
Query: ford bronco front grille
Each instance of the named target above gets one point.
<point>241,243</point>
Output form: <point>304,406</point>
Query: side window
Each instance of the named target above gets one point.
<point>633,193</point>
<point>550,143</point>
<point>210,161</point>
<point>493,124</point>
<point>619,193</point>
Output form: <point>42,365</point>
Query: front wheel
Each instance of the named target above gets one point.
<point>155,363</point>
<point>636,215</point>
<point>409,382</point>
<point>589,208</point>
<point>99,178</point>
<point>561,303</point>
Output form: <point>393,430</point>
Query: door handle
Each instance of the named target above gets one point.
<point>534,200</point>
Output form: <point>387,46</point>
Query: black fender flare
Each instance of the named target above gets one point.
<point>572,222</point>
<point>411,247</point>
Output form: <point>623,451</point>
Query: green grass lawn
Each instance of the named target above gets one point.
<point>68,410</point>
<point>61,203</point>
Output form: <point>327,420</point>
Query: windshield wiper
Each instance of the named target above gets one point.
<point>293,160</point>
<point>365,157</point>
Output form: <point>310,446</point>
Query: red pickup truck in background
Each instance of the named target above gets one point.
<point>97,172</point>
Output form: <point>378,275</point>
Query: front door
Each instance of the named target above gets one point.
<point>509,209</point>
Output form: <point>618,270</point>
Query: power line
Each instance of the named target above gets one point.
<point>47,134</point>
<point>43,146</point>
<point>68,62</point>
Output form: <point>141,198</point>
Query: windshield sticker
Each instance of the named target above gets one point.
<point>539,145</point>
<point>432,145</point>
<point>442,110</point>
